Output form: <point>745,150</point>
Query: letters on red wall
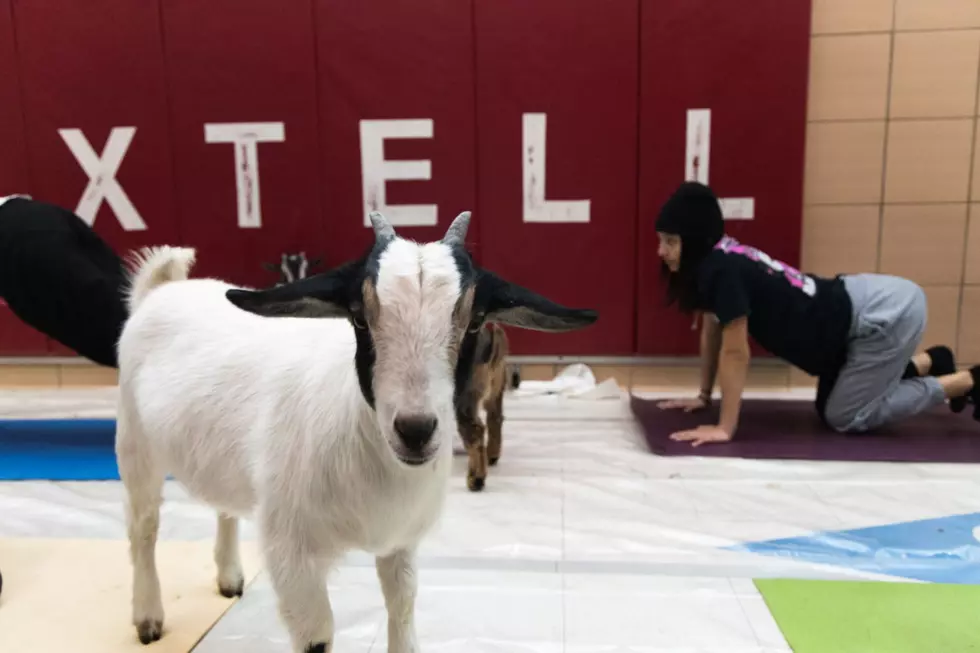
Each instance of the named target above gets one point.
<point>96,107</point>
<point>747,65</point>
<point>557,94</point>
<point>243,104</point>
<point>396,81</point>
<point>248,128</point>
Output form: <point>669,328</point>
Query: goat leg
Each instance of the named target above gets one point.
<point>299,579</point>
<point>231,579</point>
<point>400,587</point>
<point>472,432</point>
<point>495,424</point>
<point>143,482</point>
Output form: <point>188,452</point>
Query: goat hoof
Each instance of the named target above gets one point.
<point>493,461</point>
<point>149,631</point>
<point>475,484</point>
<point>231,591</point>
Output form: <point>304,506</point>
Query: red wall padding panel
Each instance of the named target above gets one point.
<point>576,62</point>
<point>602,87</point>
<point>82,72</point>
<point>92,66</point>
<point>748,63</point>
<point>18,339</point>
<point>393,59</point>
<point>13,149</point>
<point>15,337</point>
<point>230,61</point>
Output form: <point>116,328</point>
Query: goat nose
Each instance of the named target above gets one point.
<point>416,430</point>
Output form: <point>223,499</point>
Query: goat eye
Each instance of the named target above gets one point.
<point>356,317</point>
<point>477,323</point>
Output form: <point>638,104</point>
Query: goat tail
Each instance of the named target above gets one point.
<point>155,266</point>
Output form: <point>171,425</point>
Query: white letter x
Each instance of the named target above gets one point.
<point>101,173</point>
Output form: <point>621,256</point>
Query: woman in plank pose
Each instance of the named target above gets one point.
<point>59,277</point>
<point>858,333</point>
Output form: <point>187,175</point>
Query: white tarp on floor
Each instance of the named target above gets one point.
<point>582,541</point>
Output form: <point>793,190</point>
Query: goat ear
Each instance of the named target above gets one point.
<point>513,305</point>
<point>322,295</point>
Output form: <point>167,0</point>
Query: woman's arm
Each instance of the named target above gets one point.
<point>733,365</point>
<point>710,347</point>
<point>710,350</point>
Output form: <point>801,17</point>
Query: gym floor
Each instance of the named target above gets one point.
<point>581,542</point>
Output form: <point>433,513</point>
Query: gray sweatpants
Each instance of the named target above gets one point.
<point>888,319</point>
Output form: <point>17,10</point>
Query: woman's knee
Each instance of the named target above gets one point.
<point>837,414</point>
<point>849,421</point>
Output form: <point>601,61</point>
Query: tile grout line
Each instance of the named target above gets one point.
<point>900,203</point>
<point>747,570</point>
<point>845,121</point>
<point>884,147</point>
<point>969,213</point>
<point>564,539</point>
<point>745,612</point>
<point>894,29</point>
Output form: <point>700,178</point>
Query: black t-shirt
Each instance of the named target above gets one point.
<point>802,319</point>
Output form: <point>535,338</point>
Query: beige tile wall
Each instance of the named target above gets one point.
<point>892,184</point>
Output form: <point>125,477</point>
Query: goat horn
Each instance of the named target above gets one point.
<point>382,228</point>
<point>456,234</point>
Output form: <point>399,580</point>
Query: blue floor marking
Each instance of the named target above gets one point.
<point>58,450</point>
<point>940,550</point>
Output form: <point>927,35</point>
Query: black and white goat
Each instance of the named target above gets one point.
<point>292,267</point>
<point>335,433</point>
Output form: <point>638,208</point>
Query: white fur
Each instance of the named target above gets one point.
<point>264,416</point>
<point>418,286</point>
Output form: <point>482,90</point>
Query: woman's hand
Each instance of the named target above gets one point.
<point>687,405</point>
<point>702,434</point>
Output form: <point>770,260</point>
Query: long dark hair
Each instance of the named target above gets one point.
<point>682,286</point>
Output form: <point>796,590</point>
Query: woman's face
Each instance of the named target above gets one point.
<point>669,250</point>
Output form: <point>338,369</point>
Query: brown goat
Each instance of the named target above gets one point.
<point>485,387</point>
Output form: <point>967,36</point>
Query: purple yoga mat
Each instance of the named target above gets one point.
<point>790,429</point>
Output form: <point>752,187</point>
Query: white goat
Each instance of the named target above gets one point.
<point>335,434</point>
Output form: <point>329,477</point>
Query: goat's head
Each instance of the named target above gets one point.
<point>292,267</point>
<point>416,310</point>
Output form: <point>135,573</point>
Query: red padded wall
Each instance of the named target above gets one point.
<point>392,59</point>
<point>18,339</point>
<point>614,78</point>
<point>748,63</point>
<point>81,71</point>
<point>230,61</point>
<point>577,63</point>
<point>13,149</point>
<point>15,337</point>
<point>93,66</point>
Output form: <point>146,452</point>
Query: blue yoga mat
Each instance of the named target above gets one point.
<point>58,450</point>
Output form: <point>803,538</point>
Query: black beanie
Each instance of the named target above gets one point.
<point>694,214</point>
